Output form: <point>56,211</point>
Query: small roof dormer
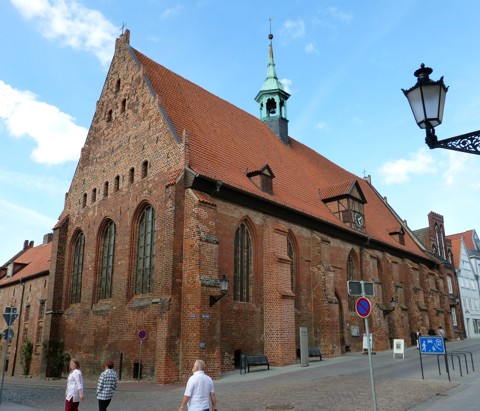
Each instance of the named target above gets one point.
<point>262,178</point>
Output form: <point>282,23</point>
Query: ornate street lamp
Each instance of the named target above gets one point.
<point>223,288</point>
<point>427,100</point>
<point>393,304</point>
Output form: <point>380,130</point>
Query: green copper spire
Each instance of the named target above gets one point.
<point>272,99</point>
<point>271,82</point>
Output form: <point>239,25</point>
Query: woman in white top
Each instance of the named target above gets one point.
<point>74,393</point>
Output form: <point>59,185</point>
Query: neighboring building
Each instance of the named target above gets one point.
<point>440,248</point>
<point>23,285</point>
<point>176,188</point>
<point>467,260</point>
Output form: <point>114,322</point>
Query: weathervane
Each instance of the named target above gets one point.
<point>123,25</point>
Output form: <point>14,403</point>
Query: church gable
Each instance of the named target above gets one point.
<point>128,119</point>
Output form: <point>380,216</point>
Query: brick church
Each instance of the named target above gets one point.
<point>177,189</point>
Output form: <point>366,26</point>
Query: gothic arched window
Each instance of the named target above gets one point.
<point>242,264</point>
<point>77,269</point>
<point>106,270</point>
<point>351,275</point>
<point>145,255</point>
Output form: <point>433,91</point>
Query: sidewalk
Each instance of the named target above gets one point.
<point>340,383</point>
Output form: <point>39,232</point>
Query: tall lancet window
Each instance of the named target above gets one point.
<point>145,261</point>
<point>77,269</point>
<point>242,264</point>
<point>106,272</point>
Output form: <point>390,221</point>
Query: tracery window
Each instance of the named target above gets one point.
<point>351,275</point>
<point>242,264</point>
<point>145,255</point>
<point>106,269</point>
<point>77,269</point>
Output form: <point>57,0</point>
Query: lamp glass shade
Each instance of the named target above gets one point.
<point>224,284</point>
<point>427,102</point>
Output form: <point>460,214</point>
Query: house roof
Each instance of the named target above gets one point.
<point>456,246</point>
<point>34,261</point>
<point>468,237</point>
<point>226,142</point>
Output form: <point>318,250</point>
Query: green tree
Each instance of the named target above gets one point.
<point>26,353</point>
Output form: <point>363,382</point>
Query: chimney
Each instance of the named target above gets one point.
<point>47,238</point>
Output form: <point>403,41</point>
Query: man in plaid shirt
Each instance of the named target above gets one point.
<point>107,383</point>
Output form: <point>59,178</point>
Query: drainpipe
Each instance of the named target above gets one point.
<point>18,328</point>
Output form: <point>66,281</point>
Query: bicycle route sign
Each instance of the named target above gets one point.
<point>431,345</point>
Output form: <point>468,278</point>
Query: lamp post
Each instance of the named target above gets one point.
<point>393,304</point>
<point>427,101</point>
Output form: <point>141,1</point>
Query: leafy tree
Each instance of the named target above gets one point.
<point>26,353</point>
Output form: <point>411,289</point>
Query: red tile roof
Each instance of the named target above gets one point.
<point>36,260</point>
<point>467,237</point>
<point>456,245</point>
<point>224,141</point>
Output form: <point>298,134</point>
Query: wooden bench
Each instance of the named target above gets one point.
<point>254,360</point>
<point>315,352</point>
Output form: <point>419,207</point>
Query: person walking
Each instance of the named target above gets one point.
<point>418,334</point>
<point>199,392</point>
<point>431,332</point>
<point>106,386</point>
<point>441,333</point>
<point>74,392</point>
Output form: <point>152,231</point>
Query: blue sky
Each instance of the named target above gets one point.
<point>343,62</point>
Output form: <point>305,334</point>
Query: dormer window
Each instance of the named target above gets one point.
<point>263,179</point>
<point>398,233</point>
<point>346,201</point>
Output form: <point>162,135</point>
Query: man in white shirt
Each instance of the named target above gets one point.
<point>441,333</point>
<point>199,391</point>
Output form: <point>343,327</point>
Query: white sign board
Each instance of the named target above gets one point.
<point>365,341</point>
<point>398,347</point>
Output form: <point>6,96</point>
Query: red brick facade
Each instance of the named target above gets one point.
<point>135,142</point>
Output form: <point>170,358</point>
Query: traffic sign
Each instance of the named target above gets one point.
<point>431,345</point>
<point>8,334</point>
<point>363,307</point>
<point>10,317</point>
<point>360,288</point>
<point>142,334</point>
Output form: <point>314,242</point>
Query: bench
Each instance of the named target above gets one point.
<point>315,352</point>
<point>254,360</point>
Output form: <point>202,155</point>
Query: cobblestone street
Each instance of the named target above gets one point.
<point>333,384</point>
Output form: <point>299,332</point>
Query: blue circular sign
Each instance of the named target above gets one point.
<point>363,307</point>
<point>142,334</point>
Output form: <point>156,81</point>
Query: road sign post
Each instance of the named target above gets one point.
<point>10,315</point>
<point>363,308</point>
<point>142,334</point>
<point>433,345</point>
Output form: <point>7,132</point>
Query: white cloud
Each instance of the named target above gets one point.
<point>29,182</point>
<point>73,24</point>
<point>339,14</point>
<point>461,169</point>
<point>295,28</point>
<point>171,12</point>
<point>311,49</point>
<point>18,213</point>
<point>57,136</point>
<point>399,171</point>
<point>321,125</point>
<point>287,85</point>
